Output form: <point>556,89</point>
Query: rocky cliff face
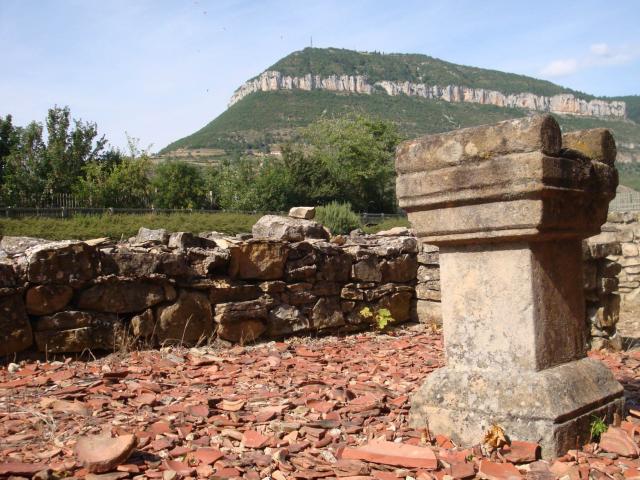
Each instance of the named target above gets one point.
<point>564,103</point>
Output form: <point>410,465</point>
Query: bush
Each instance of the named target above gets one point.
<point>338,217</point>
<point>178,185</point>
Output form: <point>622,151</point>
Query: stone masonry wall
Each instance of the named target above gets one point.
<point>161,288</point>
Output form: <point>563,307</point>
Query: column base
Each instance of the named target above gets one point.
<point>553,407</point>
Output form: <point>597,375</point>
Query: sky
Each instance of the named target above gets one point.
<point>162,69</point>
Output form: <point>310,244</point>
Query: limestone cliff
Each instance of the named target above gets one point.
<point>564,103</point>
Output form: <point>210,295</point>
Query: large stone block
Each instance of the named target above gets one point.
<point>501,193</point>
<point>47,299</point>
<point>77,331</point>
<point>65,263</point>
<point>553,407</point>
<point>124,296</point>
<point>188,321</point>
<point>274,227</point>
<point>258,260</point>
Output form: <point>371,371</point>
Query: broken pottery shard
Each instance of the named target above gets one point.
<point>616,440</point>
<point>498,471</point>
<point>100,453</point>
<point>396,454</point>
<point>597,144</point>
<point>539,133</point>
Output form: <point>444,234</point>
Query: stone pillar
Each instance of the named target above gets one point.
<point>508,207</point>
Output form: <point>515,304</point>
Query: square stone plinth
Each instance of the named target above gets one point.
<point>553,407</point>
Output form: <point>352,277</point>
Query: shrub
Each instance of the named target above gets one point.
<point>338,217</point>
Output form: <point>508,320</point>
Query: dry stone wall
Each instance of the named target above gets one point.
<point>160,288</point>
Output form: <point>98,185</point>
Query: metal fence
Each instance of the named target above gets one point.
<point>625,201</point>
<point>70,211</point>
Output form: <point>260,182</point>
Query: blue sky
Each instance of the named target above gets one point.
<point>161,69</point>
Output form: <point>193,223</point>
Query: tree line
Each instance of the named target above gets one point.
<point>348,159</point>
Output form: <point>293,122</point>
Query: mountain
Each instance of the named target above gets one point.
<point>421,94</point>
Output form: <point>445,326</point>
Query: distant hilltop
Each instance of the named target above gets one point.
<point>563,103</point>
<point>418,93</point>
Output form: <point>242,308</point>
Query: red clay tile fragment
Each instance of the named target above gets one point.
<point>498,471</point>
<point>461,470</point>
<point>253,439</point>
<point>100,453</point>
<point>180,468</point>
<point>106,476</point>
<point>198,410</point>
<point>396,454</point>
<point>20,468</point>
<point>616,440</point>
<point>208,456</point>
<point>522,452</point>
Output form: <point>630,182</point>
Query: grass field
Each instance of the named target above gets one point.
<point>122,226</point>
<point>84,227</point>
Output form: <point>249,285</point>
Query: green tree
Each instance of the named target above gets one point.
<point>346,159</point>
<point>35,164</point>
<point>178,185</point>
<point>9,139</point>
<point>116,180</point>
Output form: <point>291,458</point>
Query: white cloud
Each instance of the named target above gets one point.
<point>600,49</point>
<point>600,55</point>
<point>560,68</point>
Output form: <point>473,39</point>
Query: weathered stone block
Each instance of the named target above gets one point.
<point>400,269</point>
<point>147,235</point>
<point>187,321</point>
<point>76,331</point>
<point>286,320</point>
<point>306,213</point>
<point>47,299</point>
<point>367,270</point>
<point>399,305</point>
<point>144,324</point>
<point>327,313</point>
<point>65,263</point>
<point>259,260</point>
<point>552,406</point>
<point>124,296</point>
<point>595,144</point>
<point>274,227</point>
<point>429,312</point>
<point>508,213</point>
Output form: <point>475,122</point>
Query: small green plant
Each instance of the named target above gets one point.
<point>338,217</point>
<point>598,427</point>
<point>383,318</point>
<point>469,458</point>
<point>366,313</point>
